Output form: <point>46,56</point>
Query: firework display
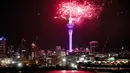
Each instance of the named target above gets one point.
<point>77,10</point>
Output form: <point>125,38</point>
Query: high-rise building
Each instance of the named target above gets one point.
<point>2,47</point>
<point>93,45</point>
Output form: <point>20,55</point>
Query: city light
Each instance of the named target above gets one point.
<point>2,38</point>
<point>85,61</point>
<point>18,56</point>
<point>111,59</point>
<point>64,59</point>
<point>81,59</point>
<point>13,62</point>
<point>78,61</point>
<point>20,64</point>
<point>73,65</point>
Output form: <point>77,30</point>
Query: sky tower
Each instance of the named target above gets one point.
<point>74,12</point>
<point>70,32</point>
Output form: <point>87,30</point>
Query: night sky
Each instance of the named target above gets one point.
<point>30,18</point>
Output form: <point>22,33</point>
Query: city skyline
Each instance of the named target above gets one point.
<point>29,19</point>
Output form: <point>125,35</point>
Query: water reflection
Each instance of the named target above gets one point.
<point>54,71</point>
<point>57,71</point>
<point>69,71</point>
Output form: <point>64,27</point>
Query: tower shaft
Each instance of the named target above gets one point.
<point>70,32</point>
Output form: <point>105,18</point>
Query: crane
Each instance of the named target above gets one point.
<point>21,47</point>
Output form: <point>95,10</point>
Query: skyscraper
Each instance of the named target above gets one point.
<point>93,45</point>
<point>2,47</point>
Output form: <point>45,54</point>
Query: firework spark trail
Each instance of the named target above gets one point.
<point>77,10</point>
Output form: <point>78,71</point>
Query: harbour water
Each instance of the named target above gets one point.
<point>57,71</point>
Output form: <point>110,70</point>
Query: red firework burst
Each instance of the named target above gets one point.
<point>77,10</point>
